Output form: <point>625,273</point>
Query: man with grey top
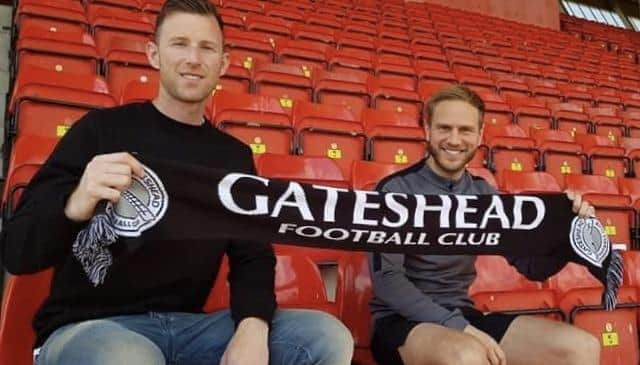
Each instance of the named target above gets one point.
<point>421,307</point>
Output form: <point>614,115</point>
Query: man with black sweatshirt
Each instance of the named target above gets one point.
<point>148,310</point>
<point>421,306</point>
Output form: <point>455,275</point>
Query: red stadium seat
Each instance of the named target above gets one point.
<point>262,122</point>
<point>612,208</point>
<point>273,26</point>
<point>485,174</point>
<point>528,182</point>
<point>630,187</point>
<point>530,113</point>
<point>498,287</point>
<point>298,284</point>
<point>303,53</point>
<point>349,90</point>
<point>395,94</point>
<point>527,70</point>
<point>560,154</point>
<point>232,18</point>
<point>365,175</point>
<point>72,51</point>
<point>17,180</point>
<point>28,151</point>
<point>497,111</point>
<point>139,91</point>
<point>356,315</point>
<point>511,149</point>
<point>606,122</point>
<point>285,82</point>
<point>396,67</point>
<point>46,103</point>
<point>576,94</point>
<point>329,131</point>
<point>310,170</point>
<point>545,90</point>
<point>124,60</point>
<point>434,70</point>
<point>581,78</point>
<point>605,156</point>
<point>247,6</point>
<point>64,16</point>
<point>477,80</point>
<point>511,86</point>
<point>126,4</point>
<point>579,296</point>
<point>605,97</point>
<point>393,137</point>
<point>108,22</point>
<point>238,75</point>
<point>23,296</point>
<point>570,117</point>
<point>555,73</point>
<point>249,45</point>
<point>631,119</point>
<point>326,20</point>
<point>315,33</point>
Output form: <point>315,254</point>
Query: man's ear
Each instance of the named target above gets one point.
<point>225,63</point>
<point>480,135</point>
<point>153,54</point>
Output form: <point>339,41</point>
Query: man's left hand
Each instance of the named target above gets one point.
<point>249,345</point>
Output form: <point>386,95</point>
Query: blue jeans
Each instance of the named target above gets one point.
<point>297,337</point>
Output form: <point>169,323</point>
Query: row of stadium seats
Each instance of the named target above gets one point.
<point>607,37</point>
<point>415,39</point>
<point>417,32</point>
<point>270,124</point>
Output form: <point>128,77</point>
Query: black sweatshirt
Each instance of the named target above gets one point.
<point>145,276</point>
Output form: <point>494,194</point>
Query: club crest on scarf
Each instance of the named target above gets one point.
<point>140,207</point>
<point>589,240</point>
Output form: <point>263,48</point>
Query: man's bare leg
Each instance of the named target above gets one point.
<point>432,344</point>
<point>533,340</point>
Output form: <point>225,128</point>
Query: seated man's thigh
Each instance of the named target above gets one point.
<point>534,340</point>
<point>98,342</point>
<point>432,344</point>
<point>301,337</point>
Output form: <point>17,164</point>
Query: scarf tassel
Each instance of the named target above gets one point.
<point>90,248</point>
<point>614,281</point>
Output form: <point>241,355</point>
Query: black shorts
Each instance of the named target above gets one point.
<point>391,332</point>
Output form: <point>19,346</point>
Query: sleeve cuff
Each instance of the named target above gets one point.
<point>456,321</point>
<point>264,312</point>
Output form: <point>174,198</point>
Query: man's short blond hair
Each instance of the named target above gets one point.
<point>454,92</point>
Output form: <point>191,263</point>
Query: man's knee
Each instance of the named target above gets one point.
<point>581,348</point>
<point>319,337</point>
<point>338,338</point>
<point>333,341</point>
<point>124,352</point>
<point>447,347</point>
<point>99,343</point>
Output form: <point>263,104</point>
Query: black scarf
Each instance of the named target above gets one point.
<point>179,202</point>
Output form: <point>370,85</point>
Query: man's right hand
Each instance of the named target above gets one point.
<point>104,178</point>
<point>495,355</point>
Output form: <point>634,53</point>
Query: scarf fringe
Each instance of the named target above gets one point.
<point>90,248</point>
<point>614,281</point>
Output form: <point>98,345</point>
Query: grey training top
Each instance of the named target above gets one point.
<point>432,288</point>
